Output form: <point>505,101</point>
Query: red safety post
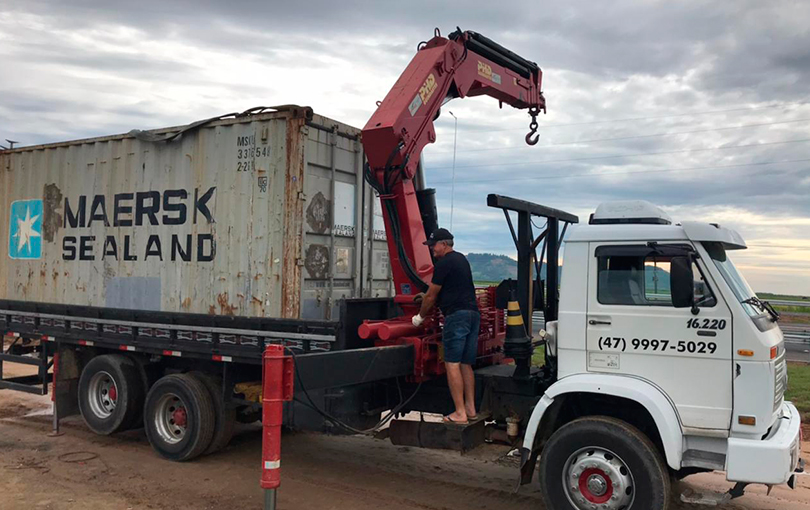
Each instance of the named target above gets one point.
<point>277,388</point>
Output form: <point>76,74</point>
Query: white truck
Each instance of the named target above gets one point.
<point>667,363</point>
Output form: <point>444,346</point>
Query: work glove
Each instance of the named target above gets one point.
<point>417,320</point>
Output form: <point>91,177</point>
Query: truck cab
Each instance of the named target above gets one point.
<point>655,316</point>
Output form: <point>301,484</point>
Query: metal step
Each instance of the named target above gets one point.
<point>438,435</point>
<point>703,459</point>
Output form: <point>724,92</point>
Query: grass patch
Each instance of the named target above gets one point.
<point>792,309</point>
<point>539,356</point>
<point>799,388</point>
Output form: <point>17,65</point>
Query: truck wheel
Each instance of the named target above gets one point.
<point>604,463</point>
<point>111,394</point>
<point>179,417</point>
<point>224,415</point>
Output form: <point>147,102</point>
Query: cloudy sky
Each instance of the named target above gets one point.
<point>701,107</point>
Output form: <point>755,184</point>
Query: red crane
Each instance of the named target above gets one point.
<point>461,65</point>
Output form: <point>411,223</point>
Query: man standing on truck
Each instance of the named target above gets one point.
<point>452,286</point>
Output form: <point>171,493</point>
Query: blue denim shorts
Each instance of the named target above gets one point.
<point>460,336</point>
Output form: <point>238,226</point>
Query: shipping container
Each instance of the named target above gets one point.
<point>259,215</point>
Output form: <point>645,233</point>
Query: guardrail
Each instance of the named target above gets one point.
<point>797,334</point>
<point>781,302</point>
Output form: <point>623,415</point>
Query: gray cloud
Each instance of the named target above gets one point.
<point>77,69</point>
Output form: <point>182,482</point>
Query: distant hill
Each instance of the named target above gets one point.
<point>657,280</point>
<point>489,267</point>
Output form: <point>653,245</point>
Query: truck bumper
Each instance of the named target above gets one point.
<point>771,460</point>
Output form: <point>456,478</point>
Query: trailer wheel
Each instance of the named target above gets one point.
<point>605,463</point>
<point>179,417</point>
<point>111,394</point>
<point>224,415</point>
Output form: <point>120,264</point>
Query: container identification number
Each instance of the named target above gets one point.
<point>247,151</point>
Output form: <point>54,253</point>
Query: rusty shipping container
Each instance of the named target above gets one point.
<point>263,215</point>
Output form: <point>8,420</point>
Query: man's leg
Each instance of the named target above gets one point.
<point>469,389</point>
<point>456,383</point>
<point>467,362</point>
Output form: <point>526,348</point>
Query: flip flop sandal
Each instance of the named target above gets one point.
<point>451,421</point>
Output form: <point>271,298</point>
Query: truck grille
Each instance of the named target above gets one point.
<point>780,380</point>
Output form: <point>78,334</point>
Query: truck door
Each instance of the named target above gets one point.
<point>634,329</point>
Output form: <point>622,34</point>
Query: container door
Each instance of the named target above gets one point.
<point>635,330</point>
<point>330,257</point>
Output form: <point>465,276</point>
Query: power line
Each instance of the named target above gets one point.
<point>634,137</point>
<point>683,151</point>
<point>652,117</point>
<point>665,170</point>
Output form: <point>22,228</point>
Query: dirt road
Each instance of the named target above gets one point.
<point>82,471</point>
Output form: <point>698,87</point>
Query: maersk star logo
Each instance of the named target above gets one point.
<point>25,230</point>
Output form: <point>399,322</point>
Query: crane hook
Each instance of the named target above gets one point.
<point>532,137</point>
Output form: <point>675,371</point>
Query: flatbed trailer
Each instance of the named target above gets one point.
<point>40,330</point>
<point>62,340</point>
<point>363,381</point>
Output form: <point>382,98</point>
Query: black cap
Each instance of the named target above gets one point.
<point>440,234</point>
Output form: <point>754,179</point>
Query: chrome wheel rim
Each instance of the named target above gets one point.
<point>596,478</point>
<point>102,394</point>
<point>171,418</point>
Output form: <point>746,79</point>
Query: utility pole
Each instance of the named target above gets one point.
<point>453,180</point>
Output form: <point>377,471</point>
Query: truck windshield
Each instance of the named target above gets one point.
<point>742,291</point>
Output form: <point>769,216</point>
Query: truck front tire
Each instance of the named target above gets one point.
<point>179,417</point>
<point>111,394</point>
<point>605,463</point>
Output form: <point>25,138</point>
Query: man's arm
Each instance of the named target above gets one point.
<point>429,301</point>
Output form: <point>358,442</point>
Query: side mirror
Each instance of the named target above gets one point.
<point>681,283</point>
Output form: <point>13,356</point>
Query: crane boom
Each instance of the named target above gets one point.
<point>461,65</point>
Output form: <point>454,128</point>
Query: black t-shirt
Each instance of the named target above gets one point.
<point>453,273</point>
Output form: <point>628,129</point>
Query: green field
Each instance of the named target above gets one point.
<point>783,297</point>
<point>799,388</point>
<point>792,309</point>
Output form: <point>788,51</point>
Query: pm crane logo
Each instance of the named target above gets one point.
<point>25,230</point>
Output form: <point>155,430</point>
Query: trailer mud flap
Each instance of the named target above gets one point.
<point>67,369</point>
